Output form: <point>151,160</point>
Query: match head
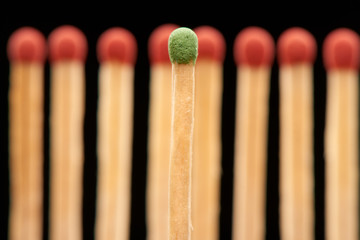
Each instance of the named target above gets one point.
<point>183,46</point>
<point>211,43</point>
<point>341,49</point>
<point>254,46</point>
<point>296,45</point>
<point>158,43</point>
<point>117,44</point>
<point>67,43</point>
<point>26,44</point>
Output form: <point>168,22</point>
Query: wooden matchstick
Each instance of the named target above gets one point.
<point>206,165</point>
<point>116,50</point>
<point>183,49</point>
<point>254,54</point>
<point>26,53</point>
<point>159,133</point>
<point>296,55</point>
<point>67,53</point>
<point>341,55</point>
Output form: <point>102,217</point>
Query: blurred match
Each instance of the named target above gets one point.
<point>67,55</point>
<point>254,55</point>
<point>341,58</point>
<point>296,49</point>
<point>116,51</point>
<point>27,53</point>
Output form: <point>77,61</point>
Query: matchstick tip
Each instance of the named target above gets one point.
<point>67,43</point>
<point>341,49</point>
<point>183,46</point>
<point>211,43</point>
<point>26,44</point>
<point>254,46</point>
<point>158,43</point>
<point>296,45</point>
<point>117,44</point>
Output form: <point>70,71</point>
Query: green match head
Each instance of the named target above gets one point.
<point>183,46</point>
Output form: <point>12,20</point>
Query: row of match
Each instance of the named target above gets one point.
<point>184,139</point>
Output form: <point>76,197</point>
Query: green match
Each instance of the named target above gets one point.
<point>183,46</point>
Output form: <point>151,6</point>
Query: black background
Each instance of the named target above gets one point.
<point>141,21</point>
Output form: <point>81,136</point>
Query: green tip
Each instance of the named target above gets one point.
<point>183,46</point>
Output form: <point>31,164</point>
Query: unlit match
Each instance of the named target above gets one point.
<point>254,54</point>
<point>116,51</point>
<point>296,55</point>
<point>183,50</point>
<point>26,53</point>
<point>341,56</point>
<point>68,50</point>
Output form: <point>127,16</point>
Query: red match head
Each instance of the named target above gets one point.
<point>67,43</point>
<point>296,45</point>
<point>158,44</point>
<point>26,44</point>
<point>117,44</point>
<point>211,43</point>
<point>254,46</point>
<point>341,49</point>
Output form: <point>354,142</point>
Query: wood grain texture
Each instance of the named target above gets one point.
<point>182,125</point>
<point>296,152</point>
<point>250,152</point>
<point>115,128</point>
<point>157,192</point>
<point>206,167</point>
<point>26,150</point>
<point>342,155</point>
<point>67,109</point>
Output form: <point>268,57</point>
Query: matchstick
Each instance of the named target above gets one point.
<point>67,54</point>
<point>254,54</point>
<point>116,51</point>
<point>341,59</point>
<point>296,55</point>
<point>26,53</point>
<point>183,49</point>
<point>159,133</point>
<point>207,134</point>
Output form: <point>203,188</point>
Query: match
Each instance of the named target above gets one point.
<point>26,49</point>
<point>206,167</point>
<point>67,55</point>
<point>157,191</point>
<point>183,51</point>
<point>341,57</point>
<point>116,51</point>
<point>254,55</point>
<point>296,50</point>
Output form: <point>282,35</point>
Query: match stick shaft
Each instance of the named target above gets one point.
<point>115,118</point>
<point>66,139</point>
<point>207,150</point>
<point>26,150</point>
<point>296,147</point>
<point>250,152</point>
<point>181,151</point>
<point>159,151</point>
<point>341,152</point>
